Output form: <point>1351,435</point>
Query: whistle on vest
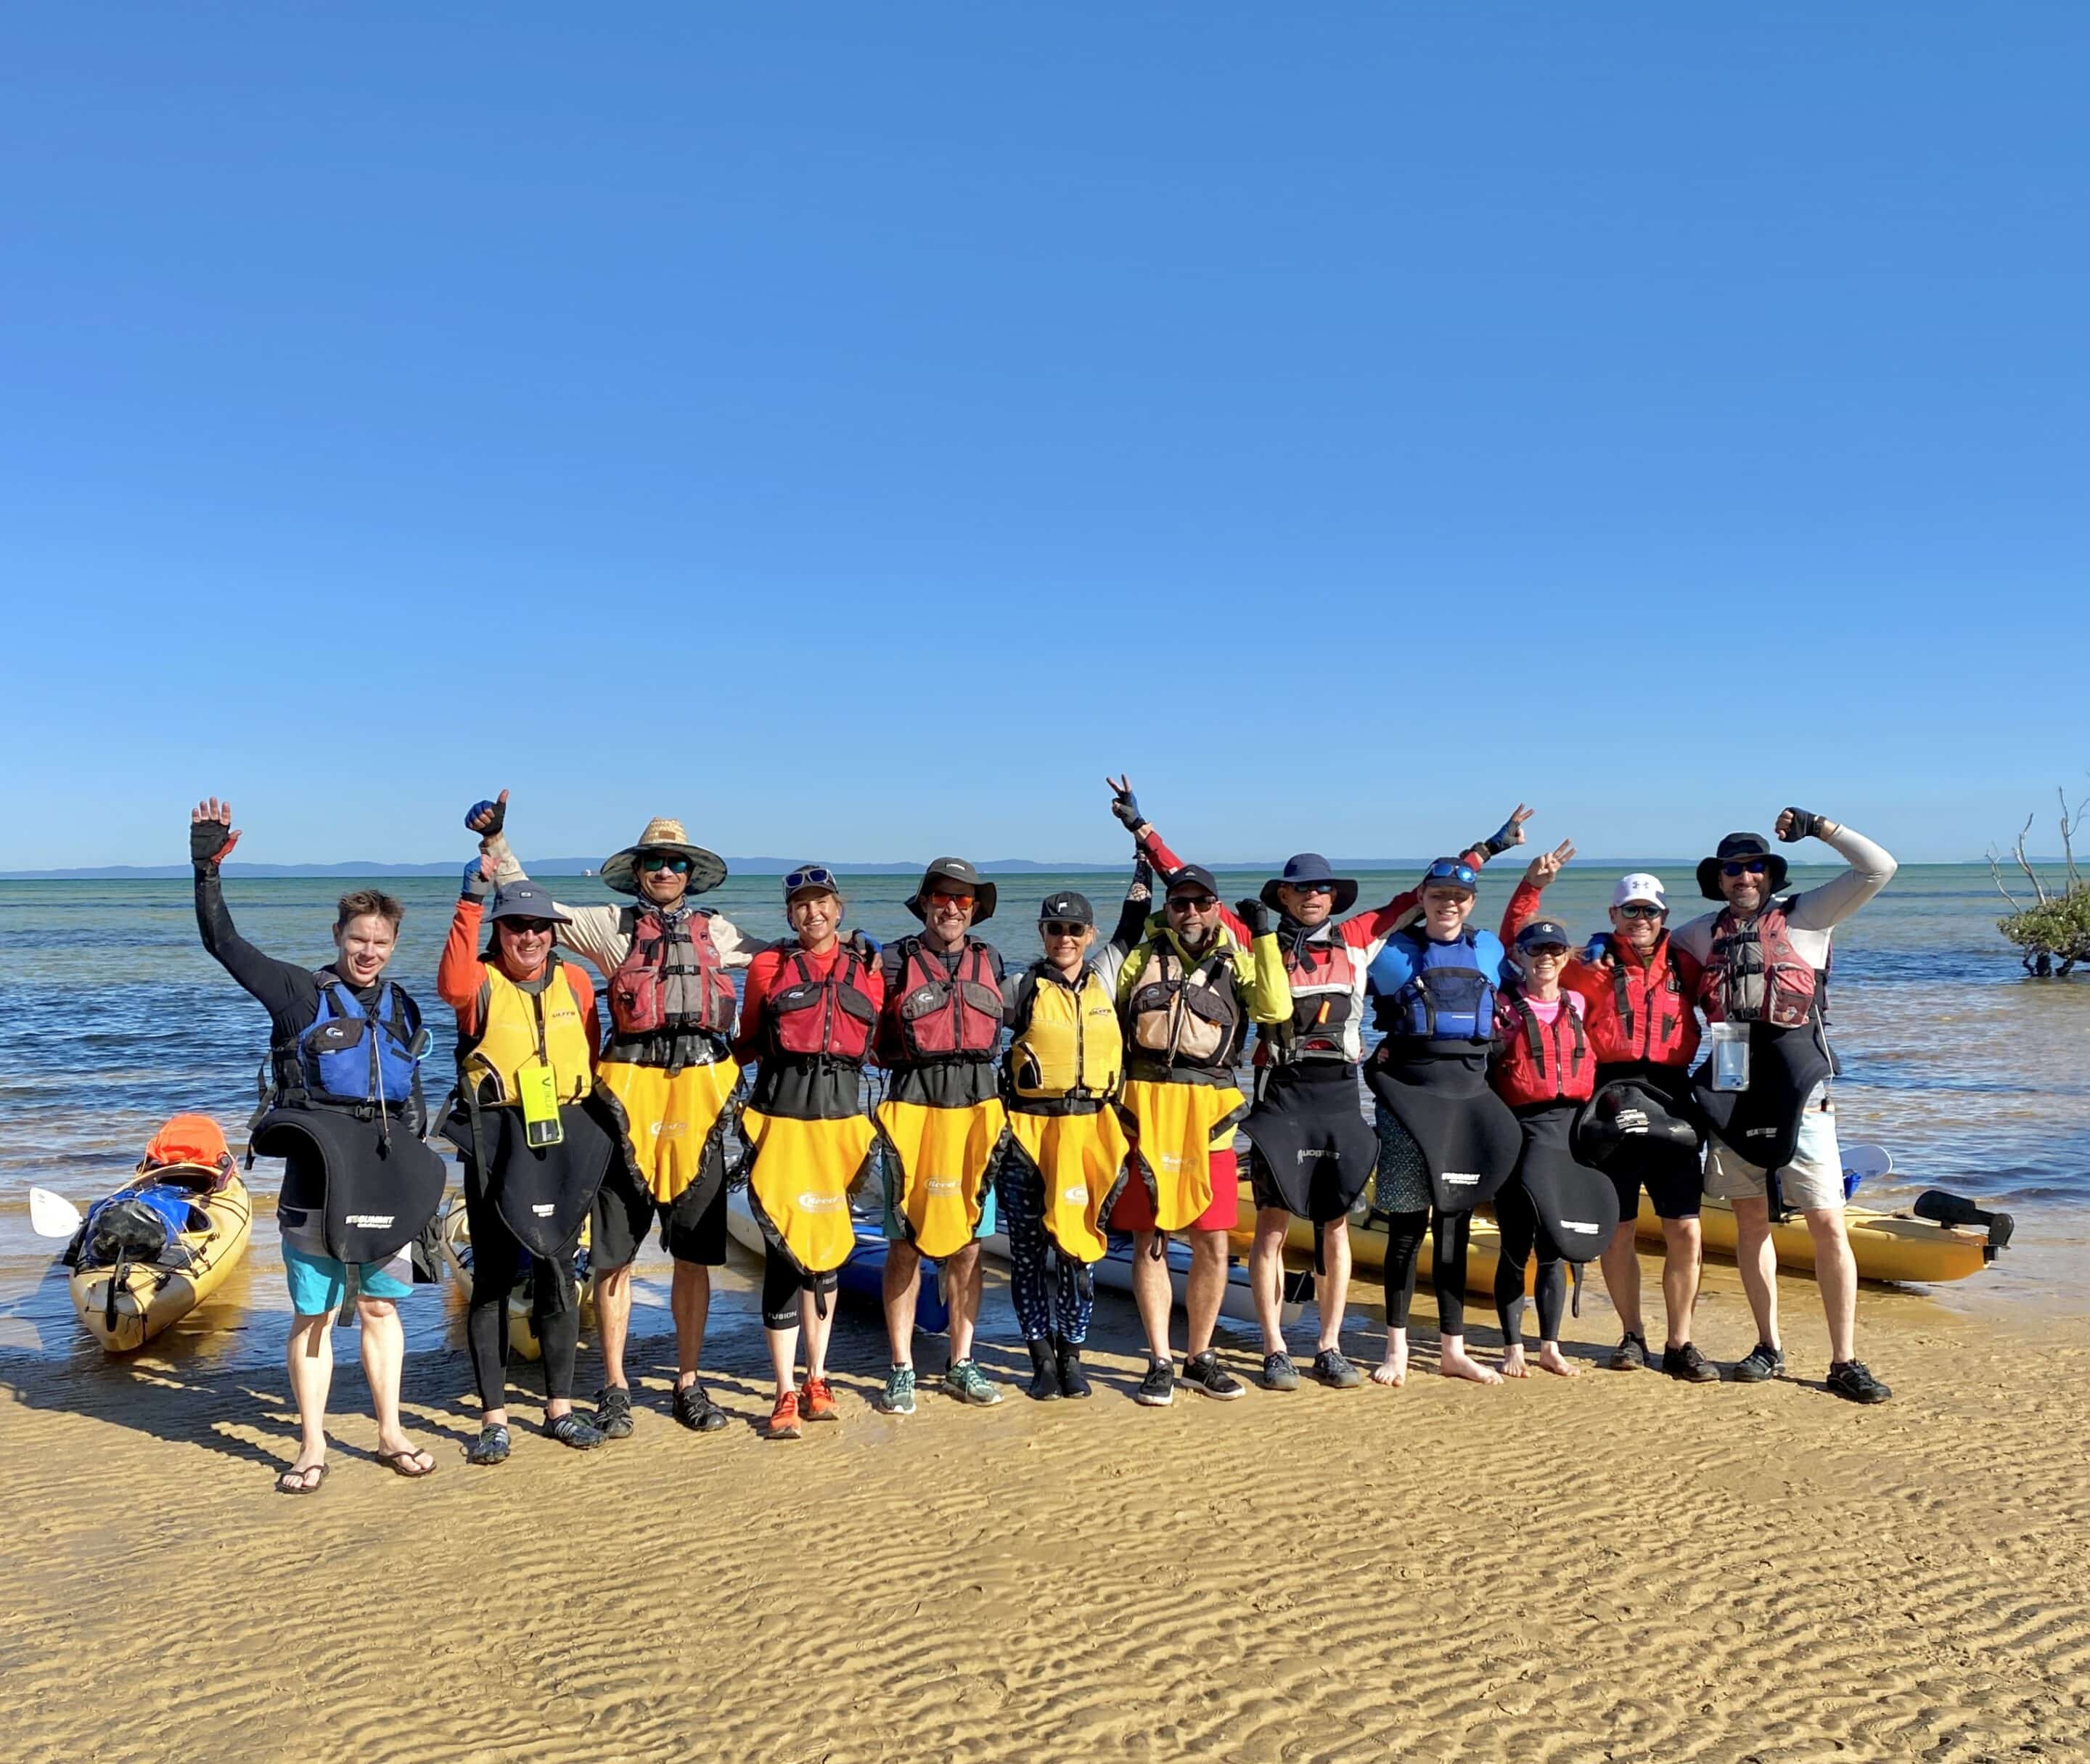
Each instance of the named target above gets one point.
<point>538,1091</point>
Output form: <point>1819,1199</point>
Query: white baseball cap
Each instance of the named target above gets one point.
<point>1640,886</point>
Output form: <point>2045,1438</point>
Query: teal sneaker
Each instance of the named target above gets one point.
<point>897,1398</point>
<point>966,1381</point>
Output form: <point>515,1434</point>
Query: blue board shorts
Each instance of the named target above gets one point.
<point>897,1232</point>
<point>319,1283</point>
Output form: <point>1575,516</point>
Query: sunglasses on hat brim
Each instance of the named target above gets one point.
<point>814,875</point>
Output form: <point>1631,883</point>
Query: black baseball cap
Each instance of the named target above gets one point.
<point>1067,907</point>
<point>1192,876</point>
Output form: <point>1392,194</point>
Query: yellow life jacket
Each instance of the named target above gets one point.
<point>1070,1044</point>
<point>521,1027</point>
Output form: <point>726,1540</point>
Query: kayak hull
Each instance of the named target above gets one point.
<point>1886,1246</point>
<point>153,1299</point>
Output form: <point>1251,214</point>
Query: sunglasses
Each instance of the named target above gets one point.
<point>1451,870</point>
<point>1641,909</point>
<point>1313,887</point>
<point>959,901</point>
<point>1193,903</point>
<point>814,875</point>
<point>1753,867</point>
<point>1553,951</point>
<point>651,861</point>
<point>527,928</point>
<point>1059,928</point>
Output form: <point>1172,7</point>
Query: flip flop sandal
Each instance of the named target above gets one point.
<point>286,1485</point>
<point>402,1463</point>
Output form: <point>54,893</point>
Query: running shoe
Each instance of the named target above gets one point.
<point>1761,1362</point>
<point>575,1429</point>
<point>1203,1372</point>
<point>784,1418</point>
<point>612,1411</point>
<point>1630,1355</point>
<point>491,1447</point>
<point>694,1408</point>
<point>1157,1390</point>
<point>1332,1367</point>
<point>816,1402</point>
<point>1278,1373</point>
<point>966,1381</point>
<point>897,1398</point>
<point>1850,1379</point>
<point>1689,1365</point>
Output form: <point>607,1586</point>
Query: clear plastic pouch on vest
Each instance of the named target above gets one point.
<point>537,1090</point>
<point>1727,1055</point>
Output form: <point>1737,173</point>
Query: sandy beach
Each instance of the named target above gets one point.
<point>1614,1568</point>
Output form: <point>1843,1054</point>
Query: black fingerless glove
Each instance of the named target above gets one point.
<point>496,817</point>
<point>1253,914</point>
<point>207,843</point>
<point>1806,825</point>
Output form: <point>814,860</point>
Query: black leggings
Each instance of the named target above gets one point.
<point>555,1305</point>
<point>1448,1233</point>
<point>781,1285</point>
<point>1522,1229</point>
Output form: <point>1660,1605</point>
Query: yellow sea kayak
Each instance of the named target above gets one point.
<point>1368,1240</point>
<point>522,1332</point>
<point>151,1296</point>
<point>1886,1246</point>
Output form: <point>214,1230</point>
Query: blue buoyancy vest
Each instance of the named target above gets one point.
<point>349,1057</point>
<point>1448,992</point>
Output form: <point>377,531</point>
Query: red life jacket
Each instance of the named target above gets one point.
<point>830,1018</point>
<point>667,964</point>
<point>1327,992</point>
<point>942,1010</point>
<point>1754,975</point>
<point>1542,1062</point>
<point>1639,1013</point>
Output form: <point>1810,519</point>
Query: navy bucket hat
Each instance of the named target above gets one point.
<point>1307,867</point>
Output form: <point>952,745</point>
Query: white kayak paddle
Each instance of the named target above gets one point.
<point>52,1215</point>
<point>1865,1163</point>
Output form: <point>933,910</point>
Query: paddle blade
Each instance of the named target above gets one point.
<point>1865,1163</point>
<point>52,1215</point>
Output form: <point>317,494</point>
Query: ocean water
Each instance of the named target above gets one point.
<point>1976,1078</point>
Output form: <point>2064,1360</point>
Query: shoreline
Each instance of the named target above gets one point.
<point>1614,1566</point>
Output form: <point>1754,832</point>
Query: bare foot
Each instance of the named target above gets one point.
<point>1554,1361</point>
<point>1455,1362</point>
<point>1513,1365</point>
<point>1393,1369</point>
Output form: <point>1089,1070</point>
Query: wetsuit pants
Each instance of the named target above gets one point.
<point>1036,1268</point>
<point>781,1285</point>
<point>1448,1233</point>
<point>555,1305</point>
<point>1522,1231</point>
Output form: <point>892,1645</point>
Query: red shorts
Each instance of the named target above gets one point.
<point>1134,1211</point>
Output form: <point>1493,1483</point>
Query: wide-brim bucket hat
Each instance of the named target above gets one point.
<point>1311,867</point>
<point>619,869</point>
<point>958,871</point>
<point>1737,845</point>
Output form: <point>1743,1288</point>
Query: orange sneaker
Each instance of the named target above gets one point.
<point>784,1418</point>
<point>819,1399</point>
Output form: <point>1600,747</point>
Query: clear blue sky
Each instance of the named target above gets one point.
<point>855,429</point>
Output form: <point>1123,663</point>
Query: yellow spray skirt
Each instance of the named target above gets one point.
<point>799,1175</point>
<point>670,1121</point>
<point>945,1158</point>
<point>1176,1128</point>
<point>1080,1160</point>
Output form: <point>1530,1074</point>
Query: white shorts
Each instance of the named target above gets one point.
<point>1813,1180</point>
